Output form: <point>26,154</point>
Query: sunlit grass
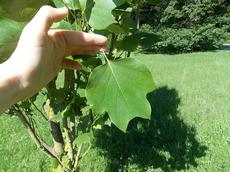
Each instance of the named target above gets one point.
<point>189,130</point>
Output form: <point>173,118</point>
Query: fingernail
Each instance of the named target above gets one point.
<point>64,9</point>
<point>103,48</point>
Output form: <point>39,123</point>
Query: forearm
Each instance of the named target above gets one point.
<point>10,89</point>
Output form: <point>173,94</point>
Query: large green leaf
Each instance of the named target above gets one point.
<point>128,25</point>
<point>119,88</point>
<point>129,43</point>
<point>71,4</point>
<point>10,33</point>
<point>84,4</point>
<point>20,10</point>
<point>101,14</point>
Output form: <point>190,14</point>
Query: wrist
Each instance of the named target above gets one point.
<point>14,72</point>
<point>13,76</point>
<point>10,88</point>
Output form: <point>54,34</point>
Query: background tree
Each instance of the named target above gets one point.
<point>110,88</point>
<point>188,25</point>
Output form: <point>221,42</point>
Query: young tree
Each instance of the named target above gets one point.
<point>110,88</point>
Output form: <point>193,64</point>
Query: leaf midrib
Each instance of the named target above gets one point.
<point>116,80</point>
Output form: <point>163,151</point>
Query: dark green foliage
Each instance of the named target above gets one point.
<point>190,14</point>
<point>189,25</point>
<point>199,38</point>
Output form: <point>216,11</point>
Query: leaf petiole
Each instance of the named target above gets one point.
<point>103,57</point>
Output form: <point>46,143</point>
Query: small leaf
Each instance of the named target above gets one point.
<point>115,28</point>
<point>63,25</point>
<point>54,163</point>
<point>58,3</point>
<point>65,161</point>
<point>85,110</point>
<point>83,139</point>
<point>101,121</point>
<point>57,118</point>
<point>120,88</point>
<point>81,92</point>
<point>25,104</point>
<point>124,9</point>
<point>34,98</point>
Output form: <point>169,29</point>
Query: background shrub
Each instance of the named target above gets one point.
<point>188,25</point>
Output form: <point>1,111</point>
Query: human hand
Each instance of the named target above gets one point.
<point>41,51</point>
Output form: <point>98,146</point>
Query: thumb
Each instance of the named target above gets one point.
<point>46,16</point>
<point>70,64</point>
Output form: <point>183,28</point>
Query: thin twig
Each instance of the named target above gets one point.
<point>113,39</point>
<point>85,153</point>
<point>38,141</point>
<point>43,115</point>
<point>77,158</point>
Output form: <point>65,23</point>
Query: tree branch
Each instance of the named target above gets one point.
<point>38,141</point>
<point>69,126</point>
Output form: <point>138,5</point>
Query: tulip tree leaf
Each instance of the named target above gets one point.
<point>85,4</point>
<point>20,10</point>
<point>71,4</point>
<point>10,32</point>
<point>119,88</point>
<point>101,14</point>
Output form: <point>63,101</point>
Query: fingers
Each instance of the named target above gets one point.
<point>77,39</point>
<point>46,16</point>
<point>81,43</point>
<point>70,64</point>
<point>86,50</point>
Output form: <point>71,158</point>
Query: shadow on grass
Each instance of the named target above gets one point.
<point>165,142</point>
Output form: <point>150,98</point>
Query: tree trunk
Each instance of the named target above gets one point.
<point>55,126</point>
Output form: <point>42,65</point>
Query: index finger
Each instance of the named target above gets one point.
<point>76,39</point>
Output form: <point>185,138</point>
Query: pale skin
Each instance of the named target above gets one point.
<point>40,56</point>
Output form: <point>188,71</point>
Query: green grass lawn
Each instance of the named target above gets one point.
<point>189,129</point>
<point>227,41</point>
